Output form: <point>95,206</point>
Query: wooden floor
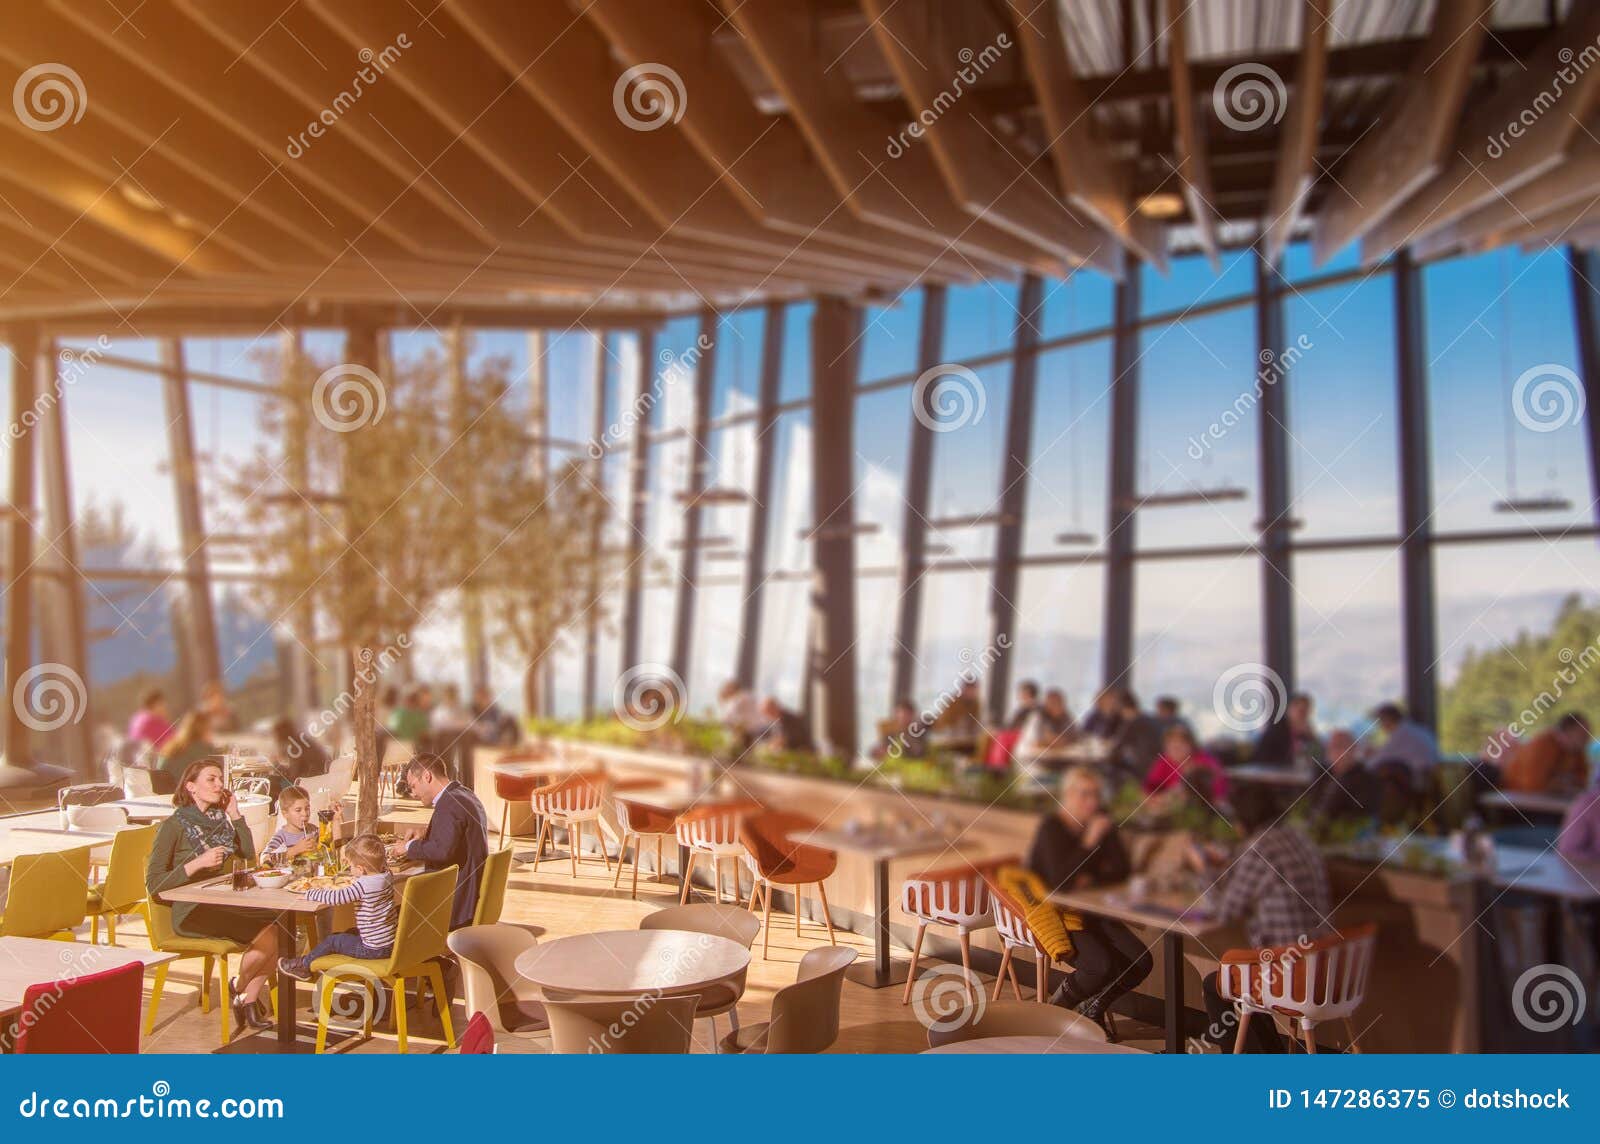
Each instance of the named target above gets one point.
<point>552,904</point>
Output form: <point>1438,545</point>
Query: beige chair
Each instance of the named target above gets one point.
<point>488,959</point>
<point>732,922</point>
<point>805,1015</point>
<point>642,823</point>
<point>647,1024</point>
<point>1019,1019</point>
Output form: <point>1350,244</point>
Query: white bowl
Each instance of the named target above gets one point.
<point>273,881</point>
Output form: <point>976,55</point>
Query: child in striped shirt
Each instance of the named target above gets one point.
<point>296,836</point>
<point>372,893</point>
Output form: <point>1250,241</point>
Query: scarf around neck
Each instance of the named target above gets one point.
<point>203,829</point>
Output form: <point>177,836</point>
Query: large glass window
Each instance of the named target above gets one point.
<point>968,459</point>
<point>1190,282</point>
<point>1067,492</point>
<point>981,319</point>
<point>1060,617</point>
<point>1348,653</point>
<point>890,336</point>
<point>1504,394</point>
<point>1074,305</point>
<point>736,377</point>
<point>954,632</point>
<point>883,437</point>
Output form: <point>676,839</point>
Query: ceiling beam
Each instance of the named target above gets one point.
<point>1090,177</point>
<point>1193,166</point>
<point>1297,148</point>
<point>1411,140</point>
<point>987,178</point>
<point>1557,90</point>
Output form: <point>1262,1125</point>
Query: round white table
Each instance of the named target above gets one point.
<point>1049,1046</point>
<point>632,962</point>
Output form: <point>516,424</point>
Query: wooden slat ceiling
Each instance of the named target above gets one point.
<point>610,158</point>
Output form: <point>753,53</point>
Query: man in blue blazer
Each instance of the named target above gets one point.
<point>457,835</point>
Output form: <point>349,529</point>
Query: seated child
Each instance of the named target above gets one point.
<point>296,836</point>
<point>377,914</point>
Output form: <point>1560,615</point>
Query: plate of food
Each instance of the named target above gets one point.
<point>319,882</point>
<point>272,879</point>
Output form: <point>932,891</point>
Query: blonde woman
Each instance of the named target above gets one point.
<point>1075,848</point>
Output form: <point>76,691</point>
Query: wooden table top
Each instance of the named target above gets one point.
<point>878,845</point>
<point>26,961</point>
<point>631,962</point>
<point>53,840</point>
<point>152,808</point>
<point>1175,913</point>
<point>1546,872</point>
<point>1528,802</point>
<point>1268,775</point>
<point>219,891</point>
<point>1064,1045</point>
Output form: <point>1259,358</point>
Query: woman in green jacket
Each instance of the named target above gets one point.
<point>191,846</point>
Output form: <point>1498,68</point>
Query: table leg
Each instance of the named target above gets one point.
<point>683,864</point>
<point>287,1001</point>
<point>1172,966</point>
<point>883,971</point>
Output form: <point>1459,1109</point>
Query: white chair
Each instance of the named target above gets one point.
<point>1017,937</point>
<point>1323,980</point>
<point>329,790</point>
<point>957,896</point>
<point>136,783</point>
<point>641,823</point>
<point>714,831</point>
<point>571,803</point>
<point>257,810</point>
<point>103,818</point>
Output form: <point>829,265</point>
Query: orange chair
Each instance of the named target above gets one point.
<point>1322,980</point>
<point>713,831</point>
<point>513,788</point>
<point>1017,936</point>
<point>641,822</point>
<point>778,860</point>
<point>571,802</point>
<point>955,896</point>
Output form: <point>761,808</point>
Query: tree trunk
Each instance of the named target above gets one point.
<point>532,690</point>
<point>364,712</point>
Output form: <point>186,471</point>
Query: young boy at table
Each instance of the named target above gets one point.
<point>377,914</point>
<point>296,835</point>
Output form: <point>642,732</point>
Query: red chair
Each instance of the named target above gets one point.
<point>514,788</point>
<point>96,1013</point>
<point>479,1037</point>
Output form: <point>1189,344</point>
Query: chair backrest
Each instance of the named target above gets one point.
<point>1009,920</point>
<point>647,1024</point>
<point>516,788</point>
<point>49,894</point>
<point>479,1037</point>
<point>492,887</point>
<point>805,1015</point>
<point>123,888</point>
<point>1018,1019</point>
<point>956,895</point>
<point>101,818</point>
<point>1322,979</point>
<point>158,918</point>
<point>643,818</point>
<point>766,838</point>
<point>715,825</point>
<point>574,794</point>
<point>732,922</point>
<point>424,917</point>
<point>137,783</point>
<point>96,1013</point>
<point>488,958</point>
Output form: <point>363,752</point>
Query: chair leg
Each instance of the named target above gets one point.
<point>505,817</point>
<point>111,929</point>
<point>826,920</point>
<point>400,1011</point>
<point>155,998</point>
<point>966,966</point>
<point>324,1010</point>
<point>622,854</point>
<point>94,929</point>
<point>222,989</point>
<point>574,844</point>
<point>205,984</point>
<point>755,893</point>
<point>1350,1033</point>
<point>658,856</point>
<point>799,904</point>
<point>600,841</point>
<point>1000,978</point>
<point>1016,986</point>
<point>441,1002</point>
<point>916,953</point>
<point>1244,1027</point>
<point>638,858</point>
<point>766,922</point>
<point>1041,977</point>
<point>538,847</point>
<point>686,876</point>
<point>1309,1033</point>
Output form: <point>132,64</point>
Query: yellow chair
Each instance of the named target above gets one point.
<point>164,939</point>
<point>123,890</point>
<point>419,946</point>
<point>492,888</point>
<point>49,895</point>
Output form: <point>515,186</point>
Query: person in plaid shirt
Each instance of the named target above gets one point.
<point>1277,884</point>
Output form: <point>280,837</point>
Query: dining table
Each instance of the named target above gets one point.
<point>633,963</point>
<point>1521,806</point>
<point>288,906</point>
<point>1065,1045</point>
<point>23,840</point>
<point>880,846</point>
<point>29,961</point>
<point>1179,916</point>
